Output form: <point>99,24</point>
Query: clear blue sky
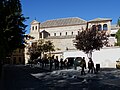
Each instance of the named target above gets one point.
<point>44,10</point>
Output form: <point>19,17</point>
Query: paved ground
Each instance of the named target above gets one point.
<point>20,78</point>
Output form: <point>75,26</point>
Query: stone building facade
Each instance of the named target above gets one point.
<point>17,57</point>
<point>62,31</point>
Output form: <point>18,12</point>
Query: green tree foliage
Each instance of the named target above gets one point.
<point>40,47</point>
<point>48,46</point>
<point>118,37</point>
<point>12,28</point>
<point>118,22</point>
<point>91,39</point>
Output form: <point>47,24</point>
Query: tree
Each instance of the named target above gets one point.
<point>48,46</point>
<point>12,28</point>
<point>45,46</point>
<point>91,39</point>
<point>118,22</point>
<point>118,37</point>
<point>39,48</point>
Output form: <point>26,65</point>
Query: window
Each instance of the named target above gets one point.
<point>105,27</point>
<point>72,33</point>
<point>93,26</point>
<point>33,28</point>
<point>60,34</point>
<point>99,27</point>
<point>54,34</point>
<point>66,33</point>
<point>113,35</point>
<point>36,27</point>
<point>78,32</point>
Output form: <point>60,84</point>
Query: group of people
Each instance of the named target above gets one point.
<point>91,67</point>
<point>54,63</point>
<point>62,64</point>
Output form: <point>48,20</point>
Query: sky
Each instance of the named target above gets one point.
<point>43,10</point>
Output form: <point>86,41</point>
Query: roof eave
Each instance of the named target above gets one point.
<point>99,21</point>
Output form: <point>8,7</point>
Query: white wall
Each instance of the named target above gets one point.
<point>105,57</point>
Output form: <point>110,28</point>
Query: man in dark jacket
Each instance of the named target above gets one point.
<point>83,66</point>
<point>90,66</point>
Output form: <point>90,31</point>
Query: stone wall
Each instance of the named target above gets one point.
<point>63,44</point>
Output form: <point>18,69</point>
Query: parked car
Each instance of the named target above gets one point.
<point>118,64</point>
<point>72,59</point>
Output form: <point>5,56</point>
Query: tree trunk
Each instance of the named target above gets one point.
<point>89,54</point>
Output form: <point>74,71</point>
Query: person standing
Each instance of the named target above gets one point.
<point>51,63</point>
<point>90,66</point>
<point>56,61</point>
<point>75,63</point>
<point>83,66</point>
<point>61,63</point>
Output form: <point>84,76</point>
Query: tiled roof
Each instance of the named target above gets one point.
<point>100,19</point>
<point>63,22</point>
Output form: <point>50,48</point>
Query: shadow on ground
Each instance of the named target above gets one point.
<point>22,78</point>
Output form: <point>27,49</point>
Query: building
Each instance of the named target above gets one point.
<point>62,31</point>
<point>17,57</point>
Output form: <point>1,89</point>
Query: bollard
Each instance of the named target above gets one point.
<point>97,67</point>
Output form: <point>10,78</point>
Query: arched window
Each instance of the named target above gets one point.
<point>66,33</point>
<point>105,27</point>
<point>93,26</point>
<point>33,28</point>
<point>99,27</point>
<point>36,27</point>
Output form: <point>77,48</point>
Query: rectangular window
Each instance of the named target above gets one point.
<point>60,34</point>
<point>66,33</point>
<point>54,34</point>
<point>72,33</point>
